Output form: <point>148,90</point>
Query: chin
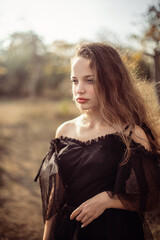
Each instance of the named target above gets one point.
<point>84,107</point>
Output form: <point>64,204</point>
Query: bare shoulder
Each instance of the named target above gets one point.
<point>66,128</point>
<point>139,136</point>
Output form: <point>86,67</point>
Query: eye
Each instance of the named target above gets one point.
<point>74,81</point>
<point>90,81</point>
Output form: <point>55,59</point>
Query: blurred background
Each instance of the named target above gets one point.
<point>37,40</point>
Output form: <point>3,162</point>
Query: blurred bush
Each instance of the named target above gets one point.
<point>29,68</point>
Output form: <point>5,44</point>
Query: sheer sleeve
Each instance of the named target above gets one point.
<point>138,181</point>
<point>137,186</point>
<point>51,185</point>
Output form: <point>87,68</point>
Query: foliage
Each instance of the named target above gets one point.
<point>151,41</point>
<point>152,31</point>
<point>137,64</point>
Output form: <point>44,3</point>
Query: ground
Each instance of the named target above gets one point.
<point>26,128</point>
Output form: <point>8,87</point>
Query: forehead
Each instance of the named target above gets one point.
<point>81,65</point>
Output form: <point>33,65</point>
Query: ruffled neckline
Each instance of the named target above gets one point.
<point>90,141</point>
<point>99,139</point>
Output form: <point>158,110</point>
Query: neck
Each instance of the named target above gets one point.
<point>92,118</point>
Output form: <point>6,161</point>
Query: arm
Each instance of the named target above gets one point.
<point>95,206</point>
<point>49,222</point>
<point>47,228</point>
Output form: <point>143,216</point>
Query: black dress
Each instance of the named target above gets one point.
<point>74,171</point>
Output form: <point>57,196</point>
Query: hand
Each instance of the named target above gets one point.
<point>91,209</point>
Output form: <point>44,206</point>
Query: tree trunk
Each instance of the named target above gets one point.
<point>157,72</point>
<point>34,80</point>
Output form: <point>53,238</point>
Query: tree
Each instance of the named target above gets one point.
<point>23,60</point>
<point>152,38</point>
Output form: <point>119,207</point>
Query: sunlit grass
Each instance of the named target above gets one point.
<point>148,91</point>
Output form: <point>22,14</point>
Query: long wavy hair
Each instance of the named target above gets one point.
<point>119,100</point>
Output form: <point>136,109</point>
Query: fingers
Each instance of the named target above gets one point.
<point>75,213</point>
<point>80,216</point>
<point>86,222</point>
<point>83,218</point>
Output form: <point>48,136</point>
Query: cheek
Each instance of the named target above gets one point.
<point>73,90</point>
<point>93,92</point>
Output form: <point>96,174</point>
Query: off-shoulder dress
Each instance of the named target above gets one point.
<point>73,171</point>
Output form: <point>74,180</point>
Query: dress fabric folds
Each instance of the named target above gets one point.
<point>73,171</point>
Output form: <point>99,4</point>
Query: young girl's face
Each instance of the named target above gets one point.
<point>83,84</point>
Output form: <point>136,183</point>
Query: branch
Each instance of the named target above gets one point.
<point>148,54</point>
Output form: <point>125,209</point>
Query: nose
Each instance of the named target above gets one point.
<point>80,88</point>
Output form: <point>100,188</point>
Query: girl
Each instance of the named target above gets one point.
<point>101,175</point>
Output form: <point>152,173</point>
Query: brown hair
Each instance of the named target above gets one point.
<point>120,101</point>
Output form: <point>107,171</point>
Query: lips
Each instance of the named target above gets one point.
<point>81,100</point>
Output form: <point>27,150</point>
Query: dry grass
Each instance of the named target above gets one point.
<point>148,91</point>
<point>26,127</point>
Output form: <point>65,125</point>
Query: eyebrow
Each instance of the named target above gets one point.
<point>86,76</point>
